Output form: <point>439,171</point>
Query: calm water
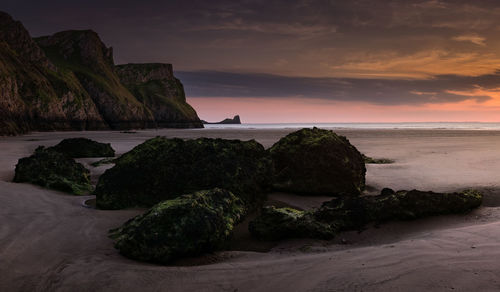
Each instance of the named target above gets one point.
<point>451,126</point>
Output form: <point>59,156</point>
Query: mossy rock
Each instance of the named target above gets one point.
<point>83,147</point>
<point>408,205</point>
<point>188,225</point>
<point>279,223</point>
<point>353,213</point>
<point>371,160</point>
<point>53,170</point>
<point>161,169</point>
<point>318,162</point>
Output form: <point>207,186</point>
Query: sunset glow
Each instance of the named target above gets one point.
<point>328,61</point>
<point>302,110</point>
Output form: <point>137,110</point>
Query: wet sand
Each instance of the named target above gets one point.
<point>49,241</point>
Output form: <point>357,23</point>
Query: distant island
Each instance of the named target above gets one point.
<point>235,120</point>
<point>68,81</point>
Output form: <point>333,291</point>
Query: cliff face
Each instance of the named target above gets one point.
<point>68,81</point>
<point>34,95</point>
<point>84,54</point>
<point>155,86</point>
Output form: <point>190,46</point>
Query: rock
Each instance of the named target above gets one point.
<point>68,81</point>
<point>34,93</point>
<point>83,53</point>
<point>353,213</point>
<point>53,170</point>
<point>346,213</point>
<point>279,223</point>
<point>83,147</point>
<point>156,87</point>
<point>234,120</point>
<point>371,160</point>
<point>407,205</point>
<point>161,169</point>
<point>318,162</point>
<point>188,225</point>
<point>15,34</point>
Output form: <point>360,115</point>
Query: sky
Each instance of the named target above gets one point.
<point>305,60</point>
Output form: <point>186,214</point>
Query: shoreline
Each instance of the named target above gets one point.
<point>49,241</point>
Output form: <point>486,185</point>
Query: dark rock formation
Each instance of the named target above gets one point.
<point>67,82</point>
<point>186,226</point>
<point>408,205</point>
<point>162,168</point>
<point>34,95</point>
<point>155,86</point>
<point>316,161</point>
<point>235,120</point>
<point>371,160</point>
<point>83,147</point>
<point>279,223</point>
<point>84,54</point>
<point>53,170</point>
<point>17,37</point>
<point>353,213</point>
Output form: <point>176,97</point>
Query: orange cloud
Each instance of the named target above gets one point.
<point>473,38</point>
<point>423,64</point>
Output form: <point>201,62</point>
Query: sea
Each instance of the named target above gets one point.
<point>420,125</point>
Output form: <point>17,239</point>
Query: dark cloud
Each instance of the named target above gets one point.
<point>284,38</point>
<point>377,91</point>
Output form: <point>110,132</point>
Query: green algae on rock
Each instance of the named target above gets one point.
<point>407,205</point>
<point>83,147</point>
<point>188,225</point>
<point>161,169</point>
<point>371,160</point>
<point>353,213</point>
<point>279,223</point>
<point>53,170</point>
<point>316,161</point>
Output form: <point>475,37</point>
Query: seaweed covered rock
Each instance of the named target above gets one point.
<point>407,205</point>
<point>188,225</point>
<point>353,213</point>
<point>161,169</point>
<point>53,170</point>
<point>316,161</point>
<point>83,147</point>
<point>279,223</point>
<point>346,213</point>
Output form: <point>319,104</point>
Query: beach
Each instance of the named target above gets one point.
<point>51,241</point>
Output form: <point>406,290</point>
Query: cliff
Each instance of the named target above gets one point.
<point>34,95</point>
<point>68,81</point>
<point>155,86</point>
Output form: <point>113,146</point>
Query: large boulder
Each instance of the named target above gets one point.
<point>53,170</point>
<point>161,169</point>
<point>353,213</point>
<point>83,147</point>
<point>279,223</point>
<point>186,226</point>
<point>318,162</point>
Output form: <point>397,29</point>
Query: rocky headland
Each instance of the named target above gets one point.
<point>68,81</point>
<point>234,121</point>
